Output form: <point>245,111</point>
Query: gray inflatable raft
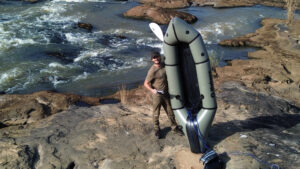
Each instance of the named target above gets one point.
<point>195,127</point>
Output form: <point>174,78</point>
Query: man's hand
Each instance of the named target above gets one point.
<point>154,91</point>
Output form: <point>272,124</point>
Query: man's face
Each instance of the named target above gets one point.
<point>156,59</point>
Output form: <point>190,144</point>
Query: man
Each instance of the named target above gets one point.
<point>156,83</point>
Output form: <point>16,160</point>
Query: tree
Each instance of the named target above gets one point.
<point>291,7</point>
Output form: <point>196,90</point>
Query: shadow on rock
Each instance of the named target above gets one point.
<point>263,112</point>
<point>264,122</point>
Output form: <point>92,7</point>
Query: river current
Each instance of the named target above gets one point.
<point>41,47</point>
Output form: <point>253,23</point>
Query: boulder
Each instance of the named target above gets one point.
<point>157,14</point>
<point>85,26</point>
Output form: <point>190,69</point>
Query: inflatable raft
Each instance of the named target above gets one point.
<point>195,126</point>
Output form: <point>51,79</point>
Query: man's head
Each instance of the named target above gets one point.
<point>155,57</point>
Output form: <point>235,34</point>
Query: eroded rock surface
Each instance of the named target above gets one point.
<point>248,128</point>
<point>22,109</point>
<point>274,69</point>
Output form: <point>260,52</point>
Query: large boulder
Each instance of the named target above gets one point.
<point>158,14</point>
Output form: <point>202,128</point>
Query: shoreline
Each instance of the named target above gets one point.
<point>272,69</point>
<point>258,114</point>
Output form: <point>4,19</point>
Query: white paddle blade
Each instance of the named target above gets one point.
<point>157,31</point>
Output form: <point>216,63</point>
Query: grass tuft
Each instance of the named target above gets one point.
<point>123,94</point>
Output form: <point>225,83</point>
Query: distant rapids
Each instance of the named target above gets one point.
<point>42,48</point>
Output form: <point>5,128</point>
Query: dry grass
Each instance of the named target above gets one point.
<point>123,94</point>
<point>291,6</point>
<point>214,62</point>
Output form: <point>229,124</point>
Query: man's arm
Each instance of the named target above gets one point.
<point>148,86</point>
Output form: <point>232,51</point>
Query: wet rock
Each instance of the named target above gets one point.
<point>167,3</point>
<point>157,14</point>
<point>67,55</point>
<point>60,55</point>
<point>23,109</point>
<point>111,40</point>
<point>32,1</point>
<point>215,3</point>
<point>85,26</point>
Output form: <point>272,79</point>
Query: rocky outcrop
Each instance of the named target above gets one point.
<point>159,10</point>
<point>274,69</point>
<point>158,14</point>
<point>23,109</point>
<point>249,129</point>
<point>216,3</point>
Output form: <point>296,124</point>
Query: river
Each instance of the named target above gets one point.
<point>41,47</point>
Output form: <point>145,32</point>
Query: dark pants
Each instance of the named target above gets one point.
<point>158,101</point>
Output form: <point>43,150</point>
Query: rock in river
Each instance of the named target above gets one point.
<point>158,14</point>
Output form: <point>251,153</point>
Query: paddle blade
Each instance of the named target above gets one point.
<point>157,31</point>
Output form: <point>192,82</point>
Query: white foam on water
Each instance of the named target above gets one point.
<point>9,76</point>
<point>91,53</point>
<point>120,45</point>
<point>8,43</point>
<point>140,62</point>
<point>211,32</point>
<point>80,38</point>
<point>151,42</point>
<point>79,1</point>
<point>53,13</point>
<point>49,71</point>
<point>56,68</point>
<point>125,31</point>
<point>56,65</point>
<point>56,81</point>
<point>28,26</point>
<point>82,76</point>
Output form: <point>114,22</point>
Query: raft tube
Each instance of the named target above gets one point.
<point>178,33</point>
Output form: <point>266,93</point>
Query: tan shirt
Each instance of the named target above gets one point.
<point>158,78</point>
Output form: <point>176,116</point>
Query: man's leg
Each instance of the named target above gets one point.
<point>156,102</point>
<point>167,106</point>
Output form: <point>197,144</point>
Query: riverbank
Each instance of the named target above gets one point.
<point>163,11</point>
<point>257,119</point>
<point>275,67</point>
